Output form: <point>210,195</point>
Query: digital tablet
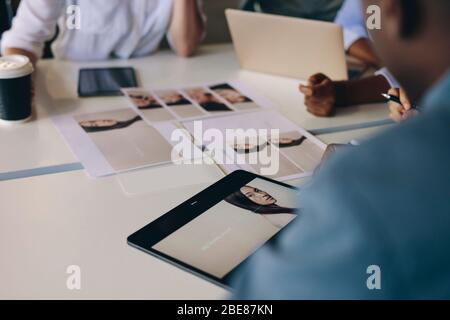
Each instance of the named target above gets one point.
<point>101,82</point>
<point>216,231</point>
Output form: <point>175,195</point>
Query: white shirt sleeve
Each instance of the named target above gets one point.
<point>389,77</point>
<point>351,18</point>
<point>34,24</point>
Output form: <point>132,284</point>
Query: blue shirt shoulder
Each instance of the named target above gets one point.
<point>384,204</point>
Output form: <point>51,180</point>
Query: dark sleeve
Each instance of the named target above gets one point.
<point>325,254</point>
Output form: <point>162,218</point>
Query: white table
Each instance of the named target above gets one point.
<point>51,221</point>
<point>37,144</point>
<point>360,135</point>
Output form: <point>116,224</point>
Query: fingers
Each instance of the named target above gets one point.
<point>405,100</point>
<point>409,114</point>
<point>306,90</point>
<point>403,97</point>
<point>320,95</point>
<point>394,92</point>
<point>320,89</point>
<point>397,112</point>
<point>320,107</point>
<point>323,88</point>
<point>322,111</point>
<point>319,112</point>
<point>317,78</point>
<point>312,82</point>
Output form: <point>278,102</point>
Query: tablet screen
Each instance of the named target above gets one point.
<point>105,81</point>
<point>221,238</point>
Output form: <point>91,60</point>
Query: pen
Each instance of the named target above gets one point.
<point>396,99</point>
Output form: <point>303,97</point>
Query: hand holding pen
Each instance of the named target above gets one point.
<point>400,106</point>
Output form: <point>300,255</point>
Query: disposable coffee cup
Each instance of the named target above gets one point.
<point>15,89</point>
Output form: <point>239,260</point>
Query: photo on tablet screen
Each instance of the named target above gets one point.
<point>178,104</point>
<point>148,106</point>
<point>207,100</point>
<point>221,238</point>
<point>125,140</point>
<point>235,97</point>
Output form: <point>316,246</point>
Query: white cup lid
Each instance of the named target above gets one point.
<point>15,66</point>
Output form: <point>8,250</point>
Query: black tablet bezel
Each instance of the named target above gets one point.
<point>154,232</point>
<point>105,93</point>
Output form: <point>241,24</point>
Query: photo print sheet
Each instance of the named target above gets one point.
<point>142,134</point>
<point>291,153</point>
<point>117,141</point>
<point>198,102</point>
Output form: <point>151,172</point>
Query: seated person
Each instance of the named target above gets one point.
<point>109,28</point>
<point>356,41</point>
<point>375,221</point>
<point>345,13</point>
<point>324,10</point>
<point>323,96</point>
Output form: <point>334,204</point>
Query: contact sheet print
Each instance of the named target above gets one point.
<point>116,141</point>
<point>292,152</point>
<point>190,103</point>
<point>142,133</point>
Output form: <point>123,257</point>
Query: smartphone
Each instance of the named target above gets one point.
<point>104,82</point>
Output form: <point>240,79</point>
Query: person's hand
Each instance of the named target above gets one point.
<point>401,112</point>
<point>320,95</point>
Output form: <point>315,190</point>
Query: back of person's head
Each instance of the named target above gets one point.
<point>413,41</point>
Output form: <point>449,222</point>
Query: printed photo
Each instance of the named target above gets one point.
<point>296,151</point>
<point>287,168</point>
<point>207,100</point>
<point>125,140</point>
<point>148,106</point>
<point>304,153</point>
<point>236,98</point>
<point>247,147</point>
<point>178,104</point>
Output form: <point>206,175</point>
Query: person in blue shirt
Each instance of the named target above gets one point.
<point>356,41</point>
<point>375,221</point>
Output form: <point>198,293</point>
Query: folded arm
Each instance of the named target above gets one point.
<point>356,40</point>
<point>34,24</point>
<point>323,96</point>
<point>187,27</point>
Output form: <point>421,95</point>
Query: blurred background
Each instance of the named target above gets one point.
<point>217,27</point>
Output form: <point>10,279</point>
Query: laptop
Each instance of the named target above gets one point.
<point>285,46</point>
